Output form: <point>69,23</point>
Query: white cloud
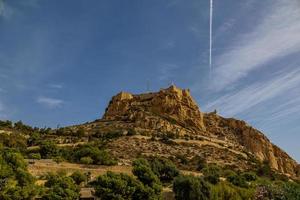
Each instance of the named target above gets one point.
<point>50,102</point>
<point>276,36</point>
<point>237,102</point>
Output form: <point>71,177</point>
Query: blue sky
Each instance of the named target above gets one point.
<point>62,60</point>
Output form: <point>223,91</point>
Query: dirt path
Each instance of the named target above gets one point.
<point>41,167</point>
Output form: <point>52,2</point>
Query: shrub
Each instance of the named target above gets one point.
<point>121,187</point>
<point>60,187</point>
<point>212,174</point>
<point>15,181</point>
<point>249,176</point>
<point>190,188</point>
<point>87,153</point>
<point>79,177</point>
<point>182,158</point>
<point>164,169</point>
<point>237,180</point>
<point>226,191</point>
<point>36,156</point>
<point>86,160</point>
<point>142,170</point>
<point>48,149</point>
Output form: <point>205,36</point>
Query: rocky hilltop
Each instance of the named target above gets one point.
<point>172,112</point>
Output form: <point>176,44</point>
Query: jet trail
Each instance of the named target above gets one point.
<point>210,35</point>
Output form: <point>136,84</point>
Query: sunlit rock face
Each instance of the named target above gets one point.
<point>170,109</point>
<point>173,110</point>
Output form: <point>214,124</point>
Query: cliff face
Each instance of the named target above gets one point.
<point>251,140</point>
<point>173,110</point>
<point>169,110</point>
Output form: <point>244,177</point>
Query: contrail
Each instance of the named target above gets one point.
<point>210,35</point>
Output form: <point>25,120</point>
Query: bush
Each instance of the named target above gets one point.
<point>36,156</point>
<point>121,187</point>
<point>60,187</point>
<point>144,173</point>
<point>87,153</point>
<point>164,169</point>
<point>225,191</point>
<point>212,174</point>
<point>79,177</point>
<point>48,149</point>
<point>237,180</point>
<point>15,181</point>
<point>249,176</point>
<point>86,160</point>
<point>190,188</point>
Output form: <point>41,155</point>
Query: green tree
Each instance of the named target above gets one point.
<point>164,169</point>
<point>48,149</point>
<point>191,188</point>
<point>16,183</point>
<point>79,177</point>
<point>142,170</point>
<point>112,186</point>
<point>61,187</point>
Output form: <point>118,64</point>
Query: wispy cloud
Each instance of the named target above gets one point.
<point>5,10</point>
<point>55,86</point>
<point>276,36</point>
<point>237,102</point>
<point>50,102</point>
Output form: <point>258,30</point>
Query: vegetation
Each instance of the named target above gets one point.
<point>60,187</point>
<point>164,169</point>
<point>212,173</point>
<point>142,170</point>
<point>15,181</point>
<point>112,186</point>
<point>191,188</point>
<point>79,177</point>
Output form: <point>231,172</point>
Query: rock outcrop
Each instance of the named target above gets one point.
<point>173,110</point>
<point>169,110</point>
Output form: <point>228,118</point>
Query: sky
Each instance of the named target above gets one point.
<point>61,61</point>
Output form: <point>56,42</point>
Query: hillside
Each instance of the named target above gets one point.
<point>172,115</point>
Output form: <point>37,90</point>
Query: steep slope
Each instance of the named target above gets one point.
<point>174,113</point>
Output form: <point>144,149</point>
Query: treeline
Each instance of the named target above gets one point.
<point>150,175</point>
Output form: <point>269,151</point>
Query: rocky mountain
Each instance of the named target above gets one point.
<point>173,114</point>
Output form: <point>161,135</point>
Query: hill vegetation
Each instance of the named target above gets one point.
<point>169,155</point>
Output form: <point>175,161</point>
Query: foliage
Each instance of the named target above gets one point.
<point>212,174</point>
<point>6,124</point>
<point>226,191</point>
<point>121,187</point>
<point>191,188</point>
<point>16,182</point>
<point>60,187</point>
<point>13,140</point>
<point>164,169</point>
<point>142,170</point>
<point>36,156</point>
<point>87,153</point>
<point>86,160</point>
<point>265,170</point>
<point>48,149</point>
<point>79,177</point>
<point>249,176</point>
<point>237,180</point>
